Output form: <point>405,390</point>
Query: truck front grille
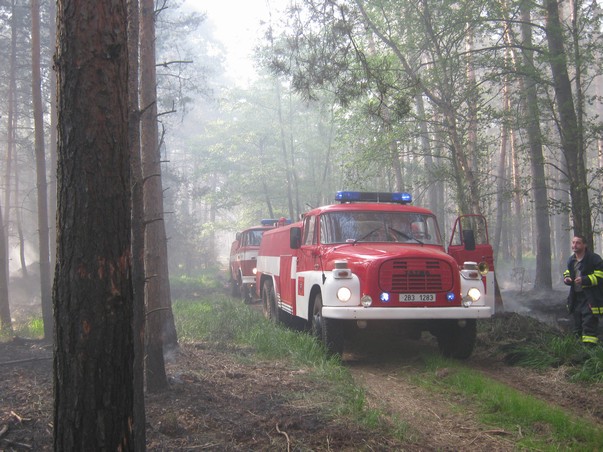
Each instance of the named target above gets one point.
<point>415,276</point>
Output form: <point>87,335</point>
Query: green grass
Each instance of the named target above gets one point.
<point>32,328</point>
<point>225,322</point>
<point>583,363</point>
<point>535,424</point>
<point>532,423</point>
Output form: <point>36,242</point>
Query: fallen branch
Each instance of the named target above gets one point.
<point>286,436</point>
<point>21,361</point>
<point>496,432</point>
<point>17,444</point>
<point>19,418</point>
<point>3,430</point>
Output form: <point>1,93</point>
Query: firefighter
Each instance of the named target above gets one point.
<point>584,275</point>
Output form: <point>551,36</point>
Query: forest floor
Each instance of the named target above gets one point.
<point>221,399</point>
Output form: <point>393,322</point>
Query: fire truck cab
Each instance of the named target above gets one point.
<point>243,256</point>
<point>376,258</point>
<point>242,260</point>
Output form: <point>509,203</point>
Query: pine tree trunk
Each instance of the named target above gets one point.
<point>155,258</point>
<point>542,278</point>
<point>571,139</point>
<point>5,318</point>
<point>93,353</point>
<point>138,276</point>
<point>42,188</point>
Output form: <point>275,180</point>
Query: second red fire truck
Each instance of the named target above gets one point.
<point>375,258</point>
<point>242,259</point>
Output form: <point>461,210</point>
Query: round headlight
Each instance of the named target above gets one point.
<point>366,301</point>
<point>344,294</point>
<point>254,271</point>
<point>474,294</point>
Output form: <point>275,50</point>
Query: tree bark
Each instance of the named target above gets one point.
<point>155,261</point>
<point>5,318</point>
<point>52,143</point>
<point>138,277</point>
<point>543,279</point>
<point>92,294</point>
<point>42,188</point>
<point>571,139</point>
<point>10,125</point>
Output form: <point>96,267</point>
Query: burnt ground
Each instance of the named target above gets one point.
<point>223,399</point>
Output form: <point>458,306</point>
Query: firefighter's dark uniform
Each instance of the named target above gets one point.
<point>585,302</point>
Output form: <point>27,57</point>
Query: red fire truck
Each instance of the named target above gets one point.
<point>376,258</point>
<point>242,260</point>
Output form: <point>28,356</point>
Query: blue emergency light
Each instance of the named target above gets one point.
<point>272,221</point>
<point>357,196</point>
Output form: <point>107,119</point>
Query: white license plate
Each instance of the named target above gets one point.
<point>417,297</point>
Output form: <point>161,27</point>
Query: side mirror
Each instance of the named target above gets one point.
<point>469,239</point>
<point>238,237</point>
<point>295,235</point>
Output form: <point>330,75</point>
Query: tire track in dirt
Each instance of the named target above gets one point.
<point>433,423</point>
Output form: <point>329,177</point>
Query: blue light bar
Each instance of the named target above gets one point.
<point>357,196</point>
<point>274,222</point>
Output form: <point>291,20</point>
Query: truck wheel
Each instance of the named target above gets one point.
<point>246,294</point>
<point>328,331</point>
<point>456,341</point>
<point>269,302</point>
<point>234,288</point>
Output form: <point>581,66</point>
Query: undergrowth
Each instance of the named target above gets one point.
<point>224,322</point>
<point>526,342</point>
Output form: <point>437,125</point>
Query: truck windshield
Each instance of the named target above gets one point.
<point>371,226</point>
<point>252,238</point>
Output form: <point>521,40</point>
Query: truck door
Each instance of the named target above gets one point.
<point>469,241</point>
<point>309,260</point>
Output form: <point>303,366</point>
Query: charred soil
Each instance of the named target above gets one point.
<point>222,398</point>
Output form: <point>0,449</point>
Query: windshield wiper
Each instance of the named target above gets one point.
<point>406,236</point>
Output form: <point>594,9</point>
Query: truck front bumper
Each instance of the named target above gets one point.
<point>248,280</point>
<point>360,313</point>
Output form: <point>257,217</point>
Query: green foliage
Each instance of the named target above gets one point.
<point>227,323</point>
<point>592,367</point>
<point>187,287</point>
<point>583,362</point>
<point>543,427</point>
<point>30,328</point>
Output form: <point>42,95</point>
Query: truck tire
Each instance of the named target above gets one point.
<point>234,289</point>
<point>269,302</point>
<point>456,341</point>
<point>328,331</point>
<point>246,294</point>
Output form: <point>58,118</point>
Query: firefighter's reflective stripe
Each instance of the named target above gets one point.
<point>566,274</point>
<point>590,339</point>
<point>595,276</point>
<point>597,310</point>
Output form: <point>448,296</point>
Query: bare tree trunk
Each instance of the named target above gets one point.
<point>155,258</point>
<point>432,195</point>
<point>20,235</point>
<point>517,204</point>
<point>283,144</point>
<point>571,138</point>
<point>599,90</point>
<point>5,318</point>
<point>10,127</point>
<point>542,278</point>
<point>93,352</point>
<point>52,143</point>
<point>502,170</point>
<point>42,188</point>
<point>138,276</point>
